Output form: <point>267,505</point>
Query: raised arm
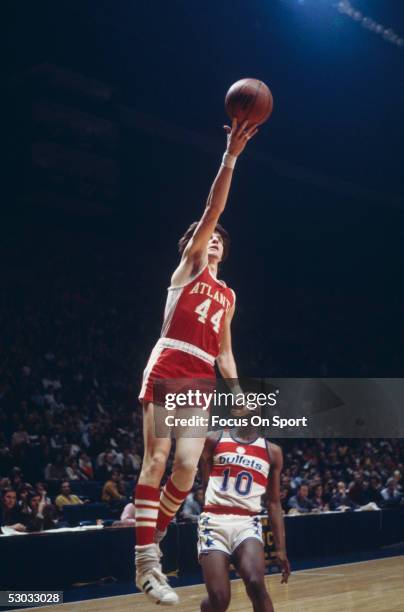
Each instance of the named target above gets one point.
<point>195,254</point>
<point>275,508</point>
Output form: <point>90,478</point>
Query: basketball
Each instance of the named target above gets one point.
<point>249,99</point>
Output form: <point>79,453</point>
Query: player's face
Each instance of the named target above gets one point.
<point>215,247</point>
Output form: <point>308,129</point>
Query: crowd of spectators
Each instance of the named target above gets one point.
<point>321,475</point>
<point>71,360</point>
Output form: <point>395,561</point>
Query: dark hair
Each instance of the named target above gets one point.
<point>182,243</point>
<point>8,490</point>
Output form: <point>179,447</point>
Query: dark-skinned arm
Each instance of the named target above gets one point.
<point>275,508</point>
<point>206,460</point>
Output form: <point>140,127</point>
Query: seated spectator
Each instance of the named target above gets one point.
<point>341,500</point>
<point>128,514</point>
<point>108,464</point>
<point>66,497</point>
<point>318,501</point>
<point>20,437</point>
<point>86,466</point>
<point>55,470</point>
<point>398,479</point>
<point>286,490</point>
<point>17,480</point>
<point>130,464</point>
<point>113,490</point>
<point>40,515</point>
<point>285,494</point>
<point>10,514</point>
<point>358,490</point>
<point>300,503</point>
<point>374,490</point>
<point>5,483</point>
<point>41,489</point>
<point>73,471</point>
<point>23,501</point>
<point>193,505</point>
<point>391,495</point>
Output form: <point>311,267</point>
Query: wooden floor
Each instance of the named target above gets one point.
<point>369,586</point>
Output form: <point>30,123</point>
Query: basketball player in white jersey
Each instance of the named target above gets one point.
<point>237,469</point>
<point>195,334</point>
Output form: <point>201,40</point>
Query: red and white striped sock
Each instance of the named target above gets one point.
<point>146,512</point>
<point>170,500</point>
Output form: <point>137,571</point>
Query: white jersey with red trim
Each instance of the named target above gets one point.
<point>239,475</point>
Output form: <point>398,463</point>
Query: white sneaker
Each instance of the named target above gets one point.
<point>154,585</point>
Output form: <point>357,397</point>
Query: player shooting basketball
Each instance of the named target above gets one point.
<point>238,468</point>
<point>195,334</point>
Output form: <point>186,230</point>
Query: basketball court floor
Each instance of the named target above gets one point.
<point>368,586</point>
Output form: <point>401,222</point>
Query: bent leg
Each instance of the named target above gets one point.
<point>215,567</point>
<point>248,558</point>
<point>187,454</point>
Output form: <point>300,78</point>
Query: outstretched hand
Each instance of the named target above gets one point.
<point>238,136</point>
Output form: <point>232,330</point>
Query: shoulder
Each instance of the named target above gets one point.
<point>211,441</point>
<point>187,271</point>
<point>275,453</point>
<point>214,436</point>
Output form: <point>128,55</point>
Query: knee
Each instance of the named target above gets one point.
<point>186,466</point>
<point>255,586</point>
<point>154,466</point>
<point>219,600</point>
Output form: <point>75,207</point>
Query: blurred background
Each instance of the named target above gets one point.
<point>113,120</point>
<point>112,134</point>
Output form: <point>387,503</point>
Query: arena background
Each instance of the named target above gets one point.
<point>112,132</point>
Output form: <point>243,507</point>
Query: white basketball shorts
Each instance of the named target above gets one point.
<point>226,532</point>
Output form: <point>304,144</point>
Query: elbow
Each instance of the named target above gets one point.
<point>220,359</point>
<point>214,209</point>
<point>223,361</point>
<point>274,505</point>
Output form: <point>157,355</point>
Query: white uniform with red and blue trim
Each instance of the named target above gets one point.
<point>238,479</point>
